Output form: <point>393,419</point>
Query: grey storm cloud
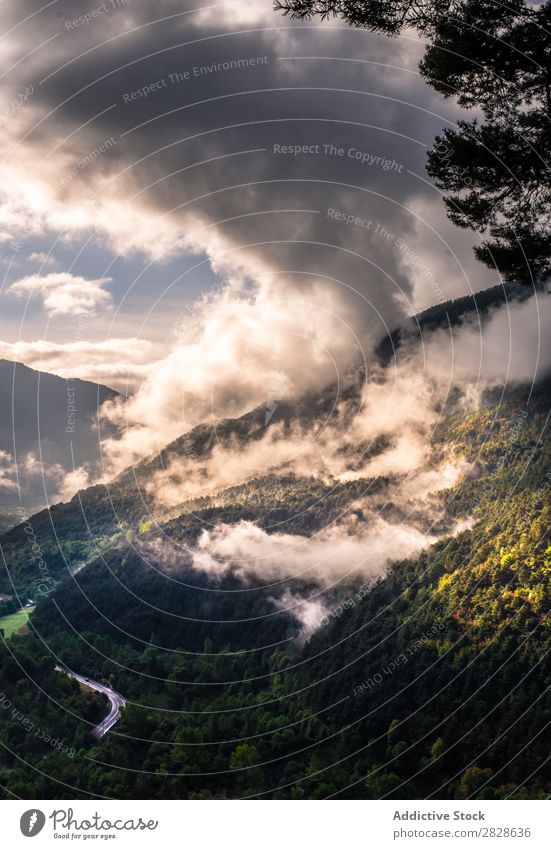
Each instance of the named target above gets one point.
<point>206,111</point>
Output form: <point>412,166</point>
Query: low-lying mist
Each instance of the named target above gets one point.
<point>383,424</point>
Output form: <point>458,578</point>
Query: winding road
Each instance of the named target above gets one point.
<point>116,700</point>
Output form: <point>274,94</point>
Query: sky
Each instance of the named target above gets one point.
<point>157,153</point>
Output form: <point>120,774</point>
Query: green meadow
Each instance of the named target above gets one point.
<point>14,622</point>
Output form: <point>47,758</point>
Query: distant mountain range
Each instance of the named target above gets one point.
<point>48,427</point>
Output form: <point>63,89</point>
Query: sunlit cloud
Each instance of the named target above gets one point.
<point>65,294</point>
<point>120,363</point>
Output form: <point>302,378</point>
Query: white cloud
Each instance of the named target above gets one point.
<point>330,557</point>
<point>65,294</point>
<point>512,346</point>
<point>310,613</point>
<point>8,469</point>
<point>231,353</point>
<point>27,471</point>
<point>120,363</point>
<point>73,482</point>
<point>42,257</point>
<point>232,15</point>
<point>39,482</point>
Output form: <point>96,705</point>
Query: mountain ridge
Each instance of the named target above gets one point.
<point>48,427</point>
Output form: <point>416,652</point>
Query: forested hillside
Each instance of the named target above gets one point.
<point>434,680</point>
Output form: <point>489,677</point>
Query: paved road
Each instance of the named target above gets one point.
<point>116,700</point>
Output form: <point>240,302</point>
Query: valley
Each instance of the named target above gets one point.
<point>216,684</point>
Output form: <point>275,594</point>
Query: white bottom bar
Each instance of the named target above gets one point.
<point>279,824</point>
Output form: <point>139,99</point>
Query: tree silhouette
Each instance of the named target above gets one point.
<point>494,169</point>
